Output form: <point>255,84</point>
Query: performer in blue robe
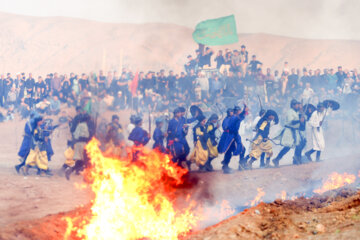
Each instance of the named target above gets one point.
<point>47,132</point>
<point>159,136</point>
<point>230,141</point>
<point>225,139</point>
<point>176,140</point>
<point>140,137</point>
<point>27,141</point>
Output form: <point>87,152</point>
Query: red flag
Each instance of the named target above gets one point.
<point>134,84</point>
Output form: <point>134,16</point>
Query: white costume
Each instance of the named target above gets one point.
<point>317,131</point>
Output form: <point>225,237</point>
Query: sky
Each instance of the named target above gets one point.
<point>313,19</point>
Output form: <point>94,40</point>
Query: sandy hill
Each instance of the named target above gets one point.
<point>43,45</point>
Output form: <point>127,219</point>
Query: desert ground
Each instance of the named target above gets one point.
<point>32,207</point>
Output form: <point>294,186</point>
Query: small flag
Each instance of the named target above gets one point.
<point>134,84</point>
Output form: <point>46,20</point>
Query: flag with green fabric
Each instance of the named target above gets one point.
<point>219,31</point>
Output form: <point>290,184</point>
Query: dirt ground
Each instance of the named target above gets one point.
<point>333,216</point>
<point>31,207</point>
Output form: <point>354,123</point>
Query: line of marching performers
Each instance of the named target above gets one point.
<point>206,148</point>
<point>36,149</point>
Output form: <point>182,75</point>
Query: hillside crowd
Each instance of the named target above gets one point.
<point>234,76</point>
<point>235,80</point>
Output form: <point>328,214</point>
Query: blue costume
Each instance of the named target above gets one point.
<point>158,137</point>
<point>176,141</point>
<point>225,139</point>
<point>47,132</point>
<point>139,136</point>
<point>26,143</point>
<point>230,141</point>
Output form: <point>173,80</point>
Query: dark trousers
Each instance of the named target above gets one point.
<point>262,158</point>
<point>242,159</point>
<point>318,153</point>
<point>300,148</point>
<point>282,152</point>
<point>228,155</point>
<point>23,162</point>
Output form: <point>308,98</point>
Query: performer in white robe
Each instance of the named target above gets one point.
<point>317,134</point>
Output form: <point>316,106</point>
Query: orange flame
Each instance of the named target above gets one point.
<point>282,196</point>
<point>134,200</point>
<point>226,210</point>
<point>258,197</point>
<point>336,180</point>
<point>213,213</point>
<point>69,228</point>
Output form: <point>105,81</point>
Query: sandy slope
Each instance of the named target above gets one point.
<point>49,44</point>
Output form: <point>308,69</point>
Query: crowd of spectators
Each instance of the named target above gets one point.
<point>223,80</point>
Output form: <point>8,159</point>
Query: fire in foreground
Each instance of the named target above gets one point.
<point>134,200</point>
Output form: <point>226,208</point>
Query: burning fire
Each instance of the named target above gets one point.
<point>134,200</point>
<point>226,210</point>
<point>258,197</point>
<point>336,180</point>
<point>282,196</point>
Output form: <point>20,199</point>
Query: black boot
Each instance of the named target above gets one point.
<point>68,172</point>
<point>249,165</point>
<point>226,169</point>
<point>17,168</point>
<point>48,172</point>
<point>201,168</point>
<point>276,162</point>
<point>318,156</point>
<point>262,162</point>
<point>243,163</point>
<point>296,160</point>
<point>308,154</point>
<point>267,164</point>
<point>188,164</point>
<point>26,170</point>
<point>208,166</point>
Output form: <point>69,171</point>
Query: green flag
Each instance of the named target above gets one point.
<point>219,31</point>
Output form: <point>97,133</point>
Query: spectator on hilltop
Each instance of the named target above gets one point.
<point>244,58</point>
<point>56,84</point>
<point>190,65</point>
<point>254,64</point>
<point>220,60</point>
<point>236,62</point>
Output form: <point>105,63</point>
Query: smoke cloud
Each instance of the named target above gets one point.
<point>321,19</point>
